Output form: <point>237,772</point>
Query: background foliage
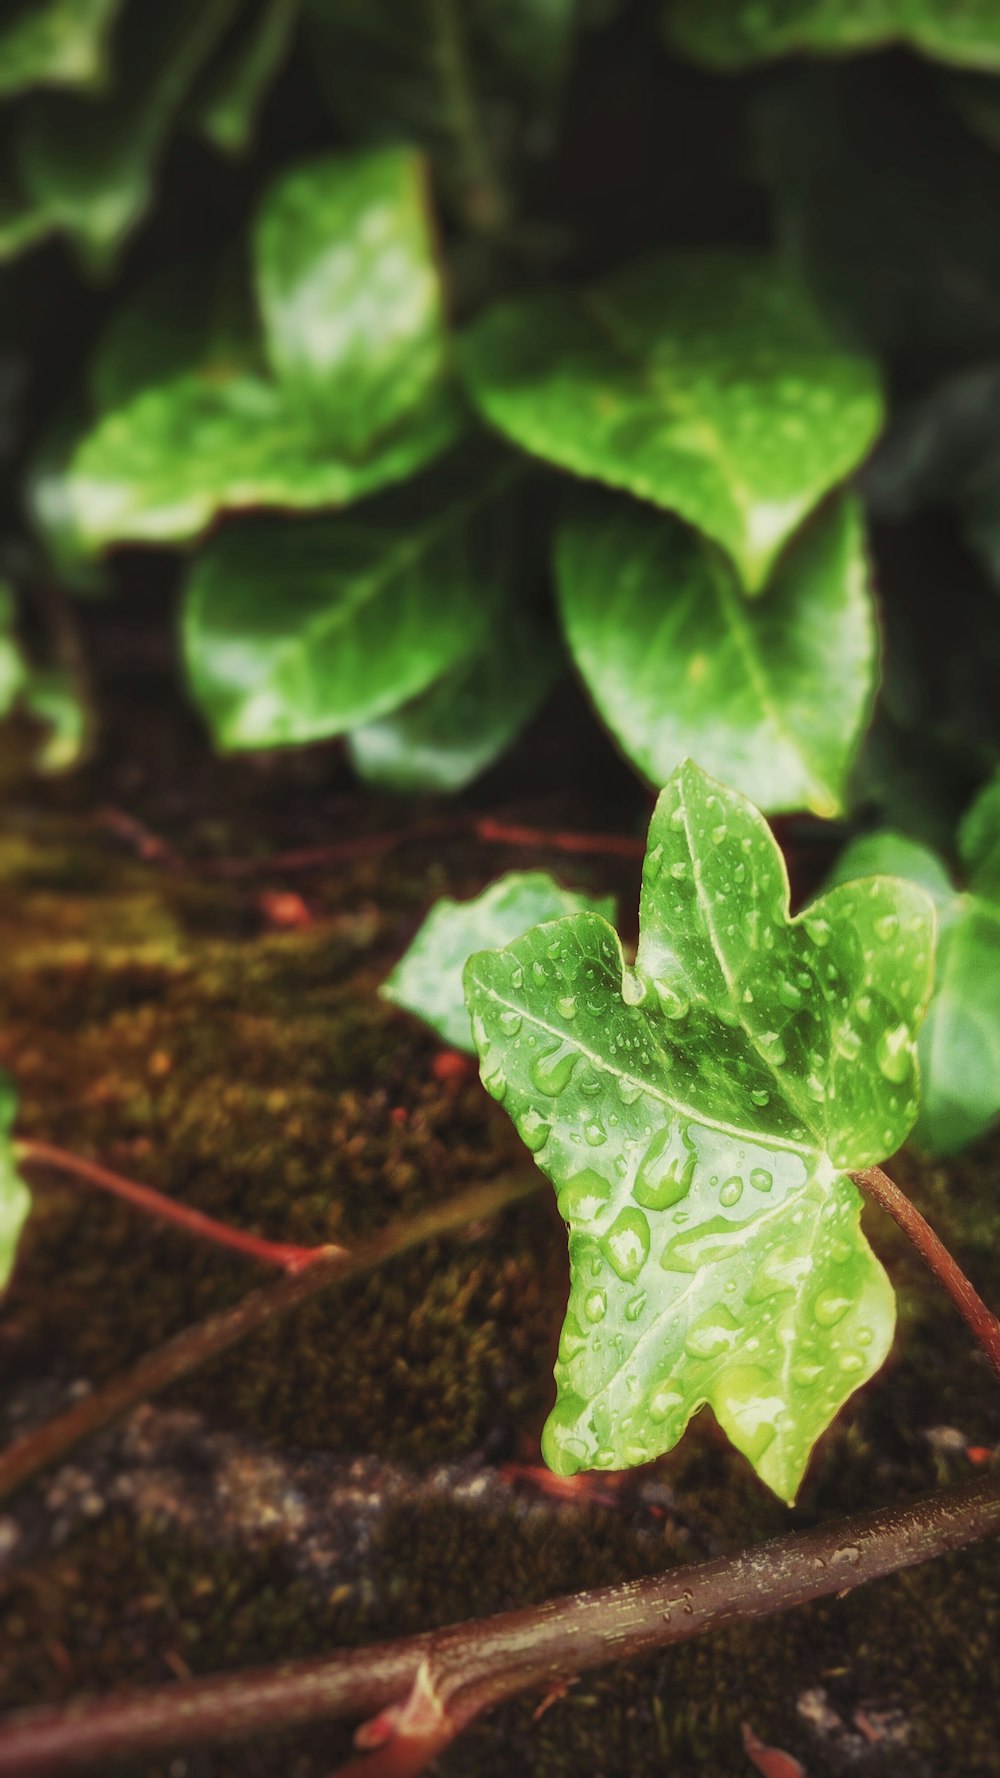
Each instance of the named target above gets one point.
<point>442,349</point>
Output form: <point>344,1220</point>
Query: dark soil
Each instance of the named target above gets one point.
<point>365,1468</point>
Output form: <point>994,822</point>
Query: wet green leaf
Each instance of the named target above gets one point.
<point>959,1044</point>
<point>15,1201</point>
<point>699,1115</point>
<point>732,34</point>
<point>54,43</point>
<point>703,382</point>
<point>298,632</point>
<point>350,294</point>
<point>428,979</point>
<point>770,695</point>
<point>216,433</point>
<point>159,469</point>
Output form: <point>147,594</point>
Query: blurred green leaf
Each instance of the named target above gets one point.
<point>769,694</point>
<point>228,104</point>
<point>698,1116</point>
<point>88,167</point>
<point>350,294</point>
<point>428,979</point>
<point>159,469</point>
<point>469,717</point>
<point>703,382</point>
<point>298,632</point>
<point>909,260</point>
<point>15,1201</point>
<point>13,667</point>
<point>733,34</point>
<point>53,697</point>
<point>54,43</point>
<point>960,1042</point>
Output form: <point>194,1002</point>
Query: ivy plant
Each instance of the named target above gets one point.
<point>15,1201</point>
<point>960,1041</point>
<point>700,1114</point>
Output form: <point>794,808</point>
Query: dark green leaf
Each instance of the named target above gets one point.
<point>698,1115</point>
<point>769,695</point>
<point>703,382</point>
<point>88,167</point>
<point>908,261</point>
<point>428,979</point>
<point>350,293</point>
<point>468,718</point>
<point>297,632</point>
<point>732,34</point>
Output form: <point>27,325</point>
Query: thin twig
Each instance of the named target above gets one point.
<point>982,1322</point>
<point>471,1666</point>
<point>193,1346</point>
<point>154,1203</point>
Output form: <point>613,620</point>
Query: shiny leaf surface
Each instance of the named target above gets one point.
<point>769,695</point>
<point>959,1044</point>
<point>349,292</point>
<point>54,43</point>
<point>698,1116</point>
<point>428,979</point>
<point>298,632</point>
<point>705,383</point>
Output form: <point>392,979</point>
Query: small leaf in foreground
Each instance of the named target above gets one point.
<point>769,695</point>
<point>960,1041</point>
<point>706,383</point>
<point>698,1116</point>
<point>428,979</point>
<point>15,1199</point>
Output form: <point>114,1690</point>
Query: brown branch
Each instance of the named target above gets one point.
<point>193,1346</point>
<point>983,1323</point>
<point>154,1203</point>
<point>484,828</point>
<point>468,1667</point>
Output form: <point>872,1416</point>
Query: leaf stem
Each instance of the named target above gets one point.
<point>195,1345</point>
<point>154,1203</point>
<point>465,1668</point>
<point>982,1322</point>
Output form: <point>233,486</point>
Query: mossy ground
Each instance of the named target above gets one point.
<point>160,1019</point>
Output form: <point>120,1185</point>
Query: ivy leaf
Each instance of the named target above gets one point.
<point>15,1200</point>
<point>428,979</point>
<point>730,34</point>
<point>349,292</point>
<point>770,695</point>
<point>960,1041</point>
<point>298,632</point>
<point>54,43</point>
<point>88,168</point>
<point>216,434</point>
<point>468,718</point>
<point>704,382</point>
<point>699,1115</point>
